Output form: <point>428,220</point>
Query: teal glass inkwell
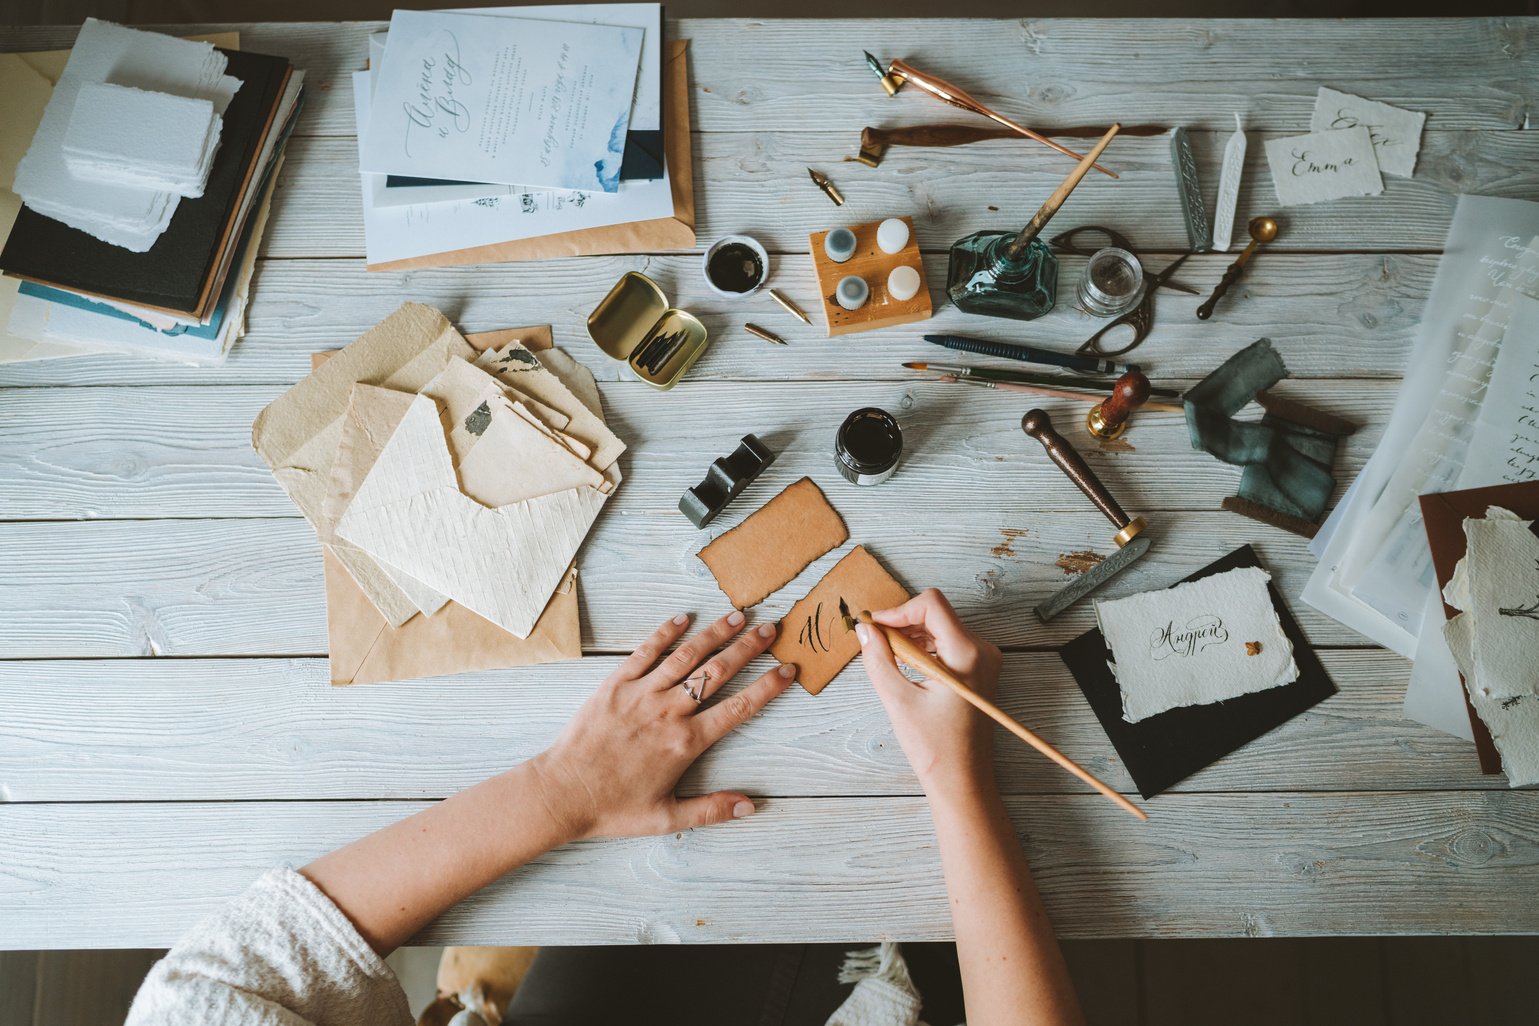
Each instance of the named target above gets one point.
<point>1014,274</point>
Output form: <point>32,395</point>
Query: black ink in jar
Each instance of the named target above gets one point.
<point>735,268</point>
<point>868,446</point>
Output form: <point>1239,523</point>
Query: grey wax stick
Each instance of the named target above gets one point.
<point>1199,226</point>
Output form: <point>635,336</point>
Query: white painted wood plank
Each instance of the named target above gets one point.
<point>244,729</point>
<point>824,869</point>
<point>786,75</point>
<point>253,587</point>
<point>1331,315</point>
<point>180,452</point>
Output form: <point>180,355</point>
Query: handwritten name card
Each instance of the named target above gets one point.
<point>1396,133</point>
<point>1201,642</point>
<point>1324,166</point>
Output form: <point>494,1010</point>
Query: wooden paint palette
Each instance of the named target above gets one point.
<point>870,263</point>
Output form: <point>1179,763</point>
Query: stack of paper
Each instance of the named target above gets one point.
<point>488,168</point>
<point>122,267</point>
<point>1495,637</point>
<point>139,139</point>
<point>445,480</point>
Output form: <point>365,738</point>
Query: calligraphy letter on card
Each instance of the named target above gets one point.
<point>813,636</point>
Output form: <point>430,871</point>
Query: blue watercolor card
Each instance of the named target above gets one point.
<point>504,100</point>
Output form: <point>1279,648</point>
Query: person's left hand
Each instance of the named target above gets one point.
<point>613,769</point>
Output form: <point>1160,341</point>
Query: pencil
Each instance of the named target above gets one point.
<point>931,667</point>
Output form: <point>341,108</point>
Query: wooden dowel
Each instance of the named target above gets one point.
<point>924,662</point>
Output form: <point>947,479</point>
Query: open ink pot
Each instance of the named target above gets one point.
<point>736,265</point>
<point>868,446</point>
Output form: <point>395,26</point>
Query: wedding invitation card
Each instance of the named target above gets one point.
<point>468,97</point>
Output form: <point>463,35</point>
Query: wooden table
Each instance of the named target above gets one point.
<point>166,726</point>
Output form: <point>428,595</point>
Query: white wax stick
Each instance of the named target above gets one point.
<point>1229,188</point>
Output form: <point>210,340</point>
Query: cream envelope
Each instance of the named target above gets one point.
<point>503,563</point>
<point>522,371</point>
<point>515,459</point>
<point>299,432</point>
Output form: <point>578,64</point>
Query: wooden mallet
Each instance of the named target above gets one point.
<point>911,654</point>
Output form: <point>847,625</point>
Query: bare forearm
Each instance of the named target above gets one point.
<point>1012,968</point>
<point>395,881</point>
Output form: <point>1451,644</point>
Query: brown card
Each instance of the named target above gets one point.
<point>813,636</point>
<point>1443,515</point>
<point>778,541</point>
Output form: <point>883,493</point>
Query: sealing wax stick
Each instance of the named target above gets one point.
<point>1229,188</point>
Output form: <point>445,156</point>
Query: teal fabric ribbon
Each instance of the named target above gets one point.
<point>1287,465</point>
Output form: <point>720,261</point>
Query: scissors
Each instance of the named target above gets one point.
<point>1141,318</point>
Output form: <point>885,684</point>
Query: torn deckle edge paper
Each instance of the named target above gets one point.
<point>1375,574</point>
<point>1495,637</point>
<point>1201,642</point>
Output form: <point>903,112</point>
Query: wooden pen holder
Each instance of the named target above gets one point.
<point>873,265</point>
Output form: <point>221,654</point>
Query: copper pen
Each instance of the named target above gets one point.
<point>948,93</point>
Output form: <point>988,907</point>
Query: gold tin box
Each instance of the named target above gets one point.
<point>634,323</point>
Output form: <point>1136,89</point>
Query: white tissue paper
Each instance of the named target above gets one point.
<point>121,215</point>
<point>1201,642</point>
<point>120,135</point>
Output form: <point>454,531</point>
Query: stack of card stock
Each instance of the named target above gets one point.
<point>144,193</point>
<point>140,139</point>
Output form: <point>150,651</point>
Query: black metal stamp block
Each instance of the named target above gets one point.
<point>725,479</point>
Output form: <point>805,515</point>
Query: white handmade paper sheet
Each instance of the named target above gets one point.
<point>1495,637</point>
<point>1324,166</point>
<point>1395,132</point>
<point>1200,642</point>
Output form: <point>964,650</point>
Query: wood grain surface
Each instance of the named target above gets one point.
<point>166,729</point>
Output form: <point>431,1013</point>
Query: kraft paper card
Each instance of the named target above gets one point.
<point>365,649</point>
<point>1196,643</point>
<point>653,235</point>
<point>778,541</point>
<point>1165,749</point>
<point>812,635</point>
<point>1495,637</point>
<point>411,514</point>
<point>1396,133</point>
<point>298,433</point>
<point>1324,166</point>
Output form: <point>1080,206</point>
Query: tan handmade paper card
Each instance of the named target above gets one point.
<point>778,541</point>
<point>812,635</point>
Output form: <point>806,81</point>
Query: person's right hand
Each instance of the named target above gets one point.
<point>948,742</point>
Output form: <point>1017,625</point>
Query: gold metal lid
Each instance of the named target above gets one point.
<point>628,315</point>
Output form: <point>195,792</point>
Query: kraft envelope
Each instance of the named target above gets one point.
<point>664,233</point>
<point>365,649</point>
<point>411,514</point>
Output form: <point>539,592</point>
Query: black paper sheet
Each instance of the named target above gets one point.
<point>1163,750</point>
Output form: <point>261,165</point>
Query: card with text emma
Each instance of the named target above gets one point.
<point>1324,166</point>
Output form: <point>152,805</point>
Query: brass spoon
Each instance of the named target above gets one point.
<point>1262,230</point>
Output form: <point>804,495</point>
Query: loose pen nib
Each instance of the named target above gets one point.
<point>844,614</point>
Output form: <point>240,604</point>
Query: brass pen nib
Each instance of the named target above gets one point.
<point>844,614</point>
<point>768,336</point>
<point>821,181</point>
<point>790,307</point>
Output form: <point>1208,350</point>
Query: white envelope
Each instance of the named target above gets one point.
<point>502,563</point>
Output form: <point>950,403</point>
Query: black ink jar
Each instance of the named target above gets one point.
<point>868,446</point>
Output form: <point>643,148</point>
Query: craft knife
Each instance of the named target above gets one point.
<point>1132,543</point>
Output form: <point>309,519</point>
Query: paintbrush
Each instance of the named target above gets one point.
<point>1018,377</point>
<point>911,654</point>
<point>1053,393</point>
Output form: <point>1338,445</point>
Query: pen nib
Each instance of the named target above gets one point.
<point>844,614</point>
